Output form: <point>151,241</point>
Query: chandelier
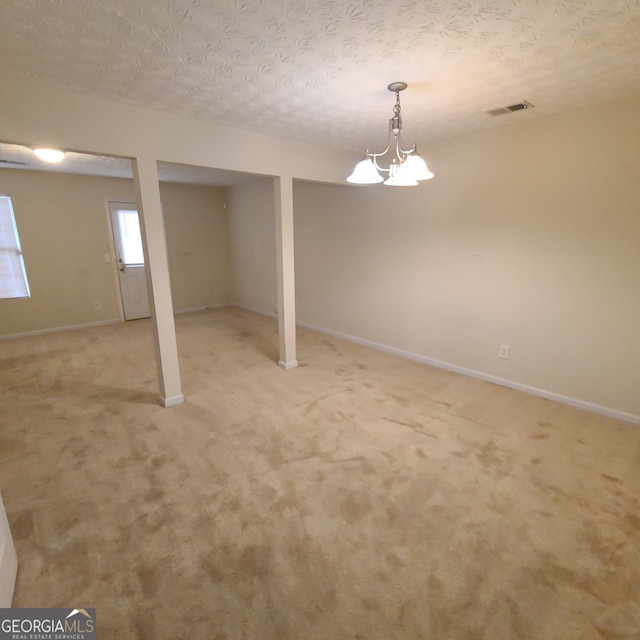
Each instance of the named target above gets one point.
<point>406,167</point>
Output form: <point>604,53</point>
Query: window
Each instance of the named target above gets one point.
<point>13,277</point>
<point>128,227</point>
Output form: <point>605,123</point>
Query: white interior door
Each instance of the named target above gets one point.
<point>127,240</point>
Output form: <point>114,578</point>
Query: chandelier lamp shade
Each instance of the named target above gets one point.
<point>406,168</point>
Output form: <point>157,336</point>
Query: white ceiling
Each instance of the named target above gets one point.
<point>317,70</point>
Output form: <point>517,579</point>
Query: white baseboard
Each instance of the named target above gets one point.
<point>170,402</point>
<point>8,561</point>
<point>222,305</point>
<point>71,327</point>
<point>542,393</point>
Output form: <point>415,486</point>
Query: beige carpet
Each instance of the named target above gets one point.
<point>360,496</point>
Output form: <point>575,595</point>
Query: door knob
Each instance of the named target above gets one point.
<point>122,268</point>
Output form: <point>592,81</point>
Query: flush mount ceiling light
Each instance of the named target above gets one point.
<point>406,167</point>
<point>49,155</point>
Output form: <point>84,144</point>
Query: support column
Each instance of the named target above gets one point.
<point>283,190</point>
<point>145,174</point>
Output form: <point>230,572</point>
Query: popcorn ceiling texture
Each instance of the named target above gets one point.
<point>318,69</point>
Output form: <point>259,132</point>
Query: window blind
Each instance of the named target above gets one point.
<point>13,277</point>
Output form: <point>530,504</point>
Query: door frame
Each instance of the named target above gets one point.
<point>114,257</point>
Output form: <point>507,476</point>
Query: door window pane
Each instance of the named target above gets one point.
<point>130,237</point>
<point>13,277</point>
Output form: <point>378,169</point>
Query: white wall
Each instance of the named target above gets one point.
<point>528,236</point>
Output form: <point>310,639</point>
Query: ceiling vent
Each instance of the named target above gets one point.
<point>511,108</point>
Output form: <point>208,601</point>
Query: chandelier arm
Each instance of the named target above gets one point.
<point>406,152</point>
<point>374,156</point>
<point>375,162</point>
<point>377,155</point>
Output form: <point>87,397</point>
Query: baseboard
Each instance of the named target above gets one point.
<point>541,393</point>
<point>86,325</point>
<point>222,305</point>
<point>71,327</point>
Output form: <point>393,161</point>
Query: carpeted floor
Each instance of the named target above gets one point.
<point>360,496</point>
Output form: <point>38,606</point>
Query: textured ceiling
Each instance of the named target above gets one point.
<point>317,70</point>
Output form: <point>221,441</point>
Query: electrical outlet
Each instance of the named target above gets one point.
<point>504,351</point>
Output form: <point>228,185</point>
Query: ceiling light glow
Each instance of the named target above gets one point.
<point>49,155</point>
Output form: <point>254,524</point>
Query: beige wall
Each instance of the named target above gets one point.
<point>252,244</point>
<point>528,236</point>
<point>64,229</point>
<point>198,244</point>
